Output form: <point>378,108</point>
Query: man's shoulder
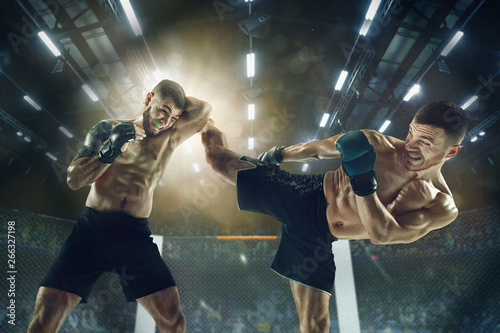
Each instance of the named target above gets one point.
<point>441,185</point>
<point>378,139</point>
<point>444,207</point>
<point>113,121</point>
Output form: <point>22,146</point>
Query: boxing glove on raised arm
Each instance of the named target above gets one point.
<point>358,160</point>
<point>121,133</point>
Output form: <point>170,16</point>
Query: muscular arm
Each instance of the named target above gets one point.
<point>415,212</point>
<point>193,119</point>
<point>314,150</point>
<point>86,167</point>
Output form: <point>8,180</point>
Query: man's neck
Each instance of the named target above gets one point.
<point>432,173</point>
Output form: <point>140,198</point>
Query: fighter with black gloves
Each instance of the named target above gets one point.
<point>122,161</point>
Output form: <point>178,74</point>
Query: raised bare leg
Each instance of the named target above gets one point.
<point>312,307</point>
<point>165,308</point>
<point>222,160</point>
<point>51,309</point>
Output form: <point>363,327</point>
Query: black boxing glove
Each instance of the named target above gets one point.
<point>121,133</point>
<point>273,156</point>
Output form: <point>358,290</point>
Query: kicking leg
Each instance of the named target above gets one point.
<point>312,307</point>
<point>165,308</point>
<point>224,161</point>
<point>51,309</point>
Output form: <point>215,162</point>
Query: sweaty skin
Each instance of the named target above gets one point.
<point>411,200</point>
<point>128,183</point>
<point>412,197</point>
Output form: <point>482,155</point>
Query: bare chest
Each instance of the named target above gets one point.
<point>391,175</point>
<point>142,151</point>
<point>143,161</point>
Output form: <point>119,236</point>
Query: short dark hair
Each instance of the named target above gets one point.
<point>446,115</point>
<point>168,88</point>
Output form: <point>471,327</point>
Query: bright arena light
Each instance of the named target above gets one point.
<point>414,90</point>
<point>341,80</point>
<point>469,102</point>
<point>52,157</point>
<point>384,126</point>
<point>89,92</point>
<point>32,103</point>
<point>66,132</point>
<point>43,36</point>
<point>251,143</point>
<point>372,10</point>
<point>324,120</point>
<point>250,65</point>
<point>251,111</point>
<point>127,7</point>
<point>452,43</point>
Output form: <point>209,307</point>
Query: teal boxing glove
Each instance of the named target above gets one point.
<point>358,160</point>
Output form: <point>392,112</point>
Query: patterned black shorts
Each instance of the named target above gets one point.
<point>304,254</point>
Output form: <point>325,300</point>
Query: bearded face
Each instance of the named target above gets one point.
<point>160,115</point>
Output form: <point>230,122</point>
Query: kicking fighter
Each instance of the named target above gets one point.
<point>123,160</point>
<point>388,191</point>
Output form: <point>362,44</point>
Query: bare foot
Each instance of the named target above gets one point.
<point>211,135</point>
<point>210,122</point>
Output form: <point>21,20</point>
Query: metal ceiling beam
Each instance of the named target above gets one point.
<point>81,44</point>
<point>482,126</point>
<point>421,42</point>
<point>389,28</point>
<point>352,87</point>
<point>77,31</point>
<point>470,164</point>
<point>32,13</point>
<point>5,116</point>
<point>118,41</point>
<point>7,151</point>
<point>417,48</point>
<point>459,25</point>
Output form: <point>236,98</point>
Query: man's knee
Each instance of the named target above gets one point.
<point>316,323</point>
<point>315,320</point>
<point>51,308</point>
<point>46,317</point>
<point>172,320</point>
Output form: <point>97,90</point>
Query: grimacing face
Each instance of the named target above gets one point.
<point>160,115</point>
<point>425,147</point>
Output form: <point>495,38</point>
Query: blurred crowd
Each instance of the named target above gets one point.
<point>426,303</point>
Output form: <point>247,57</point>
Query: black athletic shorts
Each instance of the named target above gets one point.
<point>305,250</point>
<point>109,242</point>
